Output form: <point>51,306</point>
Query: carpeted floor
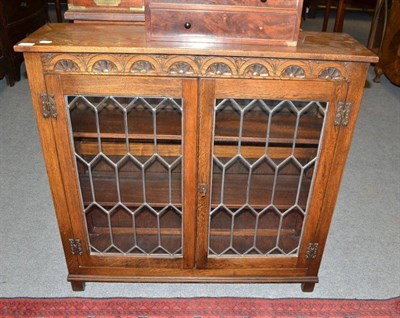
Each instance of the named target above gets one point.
<point>198,307</point>
<point>362,258</point>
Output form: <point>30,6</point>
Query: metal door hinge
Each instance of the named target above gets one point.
<point>312,250</point>
<point>343,114</point>
<point>76,247</point>
<point>202,189</point>
<point>48,105</point>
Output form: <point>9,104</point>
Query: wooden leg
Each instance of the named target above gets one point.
<point>57,4</point>
<point>339,17</point>
<point>378,74</point>
<point>307,287</point>
<point>326,15</point>
<point>14,70</point>
<point>78,286</point>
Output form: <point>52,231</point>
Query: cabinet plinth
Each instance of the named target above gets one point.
<point>169,162</point>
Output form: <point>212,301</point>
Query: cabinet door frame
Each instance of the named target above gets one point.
<point>212,89</point>
<point>61,85</point>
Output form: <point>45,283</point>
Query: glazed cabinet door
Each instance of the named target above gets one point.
<point>265,153</point>
<point>127,152</point>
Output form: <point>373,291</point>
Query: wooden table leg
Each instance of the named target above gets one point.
<point>326,15</point>
<point>57,4</point>
<point>339,17</point>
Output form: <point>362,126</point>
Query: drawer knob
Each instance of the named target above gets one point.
<point>188,25</point>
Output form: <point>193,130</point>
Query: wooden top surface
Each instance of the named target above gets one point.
<point>92,38</point>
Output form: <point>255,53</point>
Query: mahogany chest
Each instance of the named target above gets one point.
<point>272,22</point>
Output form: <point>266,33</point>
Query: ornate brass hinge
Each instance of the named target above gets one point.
<point>312,250</point>
<point>48,105</point>
<point>343,114</point>
<point>76,247</point>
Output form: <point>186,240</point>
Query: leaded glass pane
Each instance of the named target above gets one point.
<point>264,157</point>
<point>128,153</point>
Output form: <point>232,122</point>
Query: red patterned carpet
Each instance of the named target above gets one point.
<point>198,308</point>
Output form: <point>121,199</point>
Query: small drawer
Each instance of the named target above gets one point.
<point>223,26</point>
<point>284,4</point>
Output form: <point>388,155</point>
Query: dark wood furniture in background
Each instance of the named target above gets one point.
<point>341,6</point>
<point>180,162</point>
<point>389,51</point>
<point>2,64</point>
<point>58,8</point>
<point>378,25</point>
<point>112,11</point>
<point>273,22</point>
<point>338,27</point>
<point>18,18</point>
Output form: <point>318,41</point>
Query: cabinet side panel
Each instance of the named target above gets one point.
<point>37,86</point>
<point>325,166</point>
<point>358,76</point>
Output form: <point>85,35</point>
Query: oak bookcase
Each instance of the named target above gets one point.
<point>185,162</point>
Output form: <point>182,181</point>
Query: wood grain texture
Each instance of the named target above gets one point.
<point>354,96</point>
<point>190,102</point>
<point>283,4</point>
<point>326,68</point>
<point>324,169</point>
<point>205,131</point>
<point>196,276</point>
<point>49,149</point>
<point>237,21</point>
<point>272,28</point>
<point>89,38</point>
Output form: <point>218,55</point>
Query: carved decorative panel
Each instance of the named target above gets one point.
<point>66,66</point>
<point>193,66</point>
<point>142,67</point>
<point>256,70</point>
<point>330,73</point>
<point>220,69</point>
<point>181,68</point>
<point>293,71</point>
<point>104,66</point>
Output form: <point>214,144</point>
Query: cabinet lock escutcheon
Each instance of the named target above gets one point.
<point>202,189</point>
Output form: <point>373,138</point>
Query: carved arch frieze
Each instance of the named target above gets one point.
<point>142,65</point>
<point>224,67</point>
<point>181,65</point>
<point>256,68</point>
<point>105,64</point>
<point>192,66</point>
<point>63,63</point>
<point>289,69</point>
